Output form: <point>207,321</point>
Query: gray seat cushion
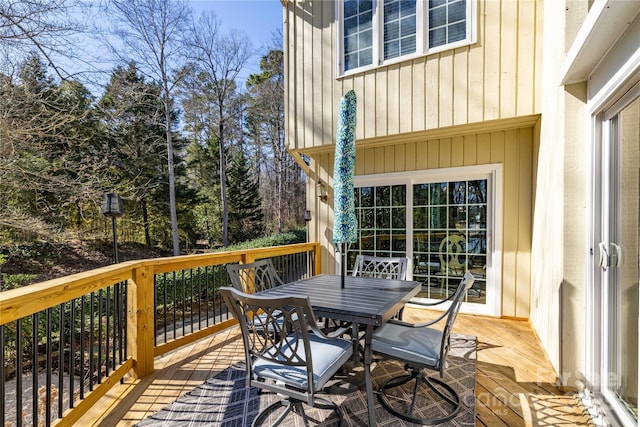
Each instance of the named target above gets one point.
<point>328,356</point>
<point>417,345</point>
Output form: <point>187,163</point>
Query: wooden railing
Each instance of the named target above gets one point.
<point>79,316</point>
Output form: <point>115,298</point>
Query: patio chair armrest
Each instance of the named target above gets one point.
<point>333,334</point>
<point>401,323</point>
<point>422,324</point>
<point>435,303</point>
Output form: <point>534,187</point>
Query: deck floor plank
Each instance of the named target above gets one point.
<point>515,384</point>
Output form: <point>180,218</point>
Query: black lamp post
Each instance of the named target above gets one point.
<point>113,207</point>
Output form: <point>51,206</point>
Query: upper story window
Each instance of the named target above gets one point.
<point>375,32</point>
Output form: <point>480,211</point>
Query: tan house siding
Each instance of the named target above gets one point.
<point>494,78</point>
<point>513,148</point>
<point>473,105</point>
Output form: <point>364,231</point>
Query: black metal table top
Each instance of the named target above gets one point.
<point>363,300</point>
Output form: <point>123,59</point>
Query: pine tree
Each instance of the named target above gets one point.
<point>133,113</point>
<point>245,211</point>
<point>48,160</point>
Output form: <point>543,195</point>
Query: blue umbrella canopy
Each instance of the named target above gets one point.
<point>345,223</point>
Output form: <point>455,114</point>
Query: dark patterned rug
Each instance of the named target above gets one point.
<point>225,401</point>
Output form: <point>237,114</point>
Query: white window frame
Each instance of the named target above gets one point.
<point>493,174</point>
<point>422,35</point>
<point>607,106</point>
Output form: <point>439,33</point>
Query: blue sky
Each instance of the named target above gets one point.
<point>259,19</point>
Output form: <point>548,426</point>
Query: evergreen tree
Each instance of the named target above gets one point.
<point>202,162</point>
<point>281,177</point>
<point>48,166</point>
<point>245,204</point>
<point>136,150</point>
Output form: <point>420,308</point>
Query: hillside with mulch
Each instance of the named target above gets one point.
<point>50,260</point>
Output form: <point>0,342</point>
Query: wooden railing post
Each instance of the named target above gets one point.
<point>248,257</point>
<point>318,267</point>
<point>140,328</point>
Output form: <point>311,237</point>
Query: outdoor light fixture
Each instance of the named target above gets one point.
<point>321,190</point>
<point>307,215</point>
<point>113,207</point>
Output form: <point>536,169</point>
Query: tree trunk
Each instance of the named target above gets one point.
<point>172,179</point>
<point>223,187</point>
<point>145,221</point>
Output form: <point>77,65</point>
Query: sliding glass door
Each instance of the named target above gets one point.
<point>443,222</point>
<point>619,258</point>
<point>450,237</point>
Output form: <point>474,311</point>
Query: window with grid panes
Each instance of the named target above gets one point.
<point>448,233</point>
<point>450,236</point>
<point>382,222</point>
<point>375,31</point>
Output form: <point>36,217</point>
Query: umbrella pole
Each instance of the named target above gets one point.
<point>343,267</point>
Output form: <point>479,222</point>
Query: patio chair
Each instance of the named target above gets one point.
<point>380,267</point>
<point>254,276</point>
<point>419,347</point>
<point>291,356</point>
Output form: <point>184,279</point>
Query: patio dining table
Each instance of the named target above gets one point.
<point>367,301</point>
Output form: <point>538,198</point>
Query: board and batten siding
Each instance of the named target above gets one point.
<point>513,148</point>
<point>410,115</point>
<point>494,78</point>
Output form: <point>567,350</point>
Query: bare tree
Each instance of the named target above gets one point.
<point>50,28</point>
<point>48,161</point>
<point>282,181</point>
<point>218,59</point>
<point>152,34</point>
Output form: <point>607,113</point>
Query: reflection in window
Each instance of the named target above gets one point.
<point>358,33</point>
<point>375,31</point>
<point>450,237</point>
<point>399,28</point>
<point>447,22</point>
<point>382,223</point>
<point>449,232</point>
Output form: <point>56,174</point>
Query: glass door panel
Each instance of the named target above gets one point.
<point>621,273</point>
<point>450,237</point>
<point>443,224</point>
<point>382,222</point>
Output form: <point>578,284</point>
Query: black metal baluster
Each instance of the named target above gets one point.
<point>166,305</point>
<point>116,327</point>
<point>206,293</point>
<point>61,362</point>
<point>184,299</point>
<point>125,293</point>
<point>72,350</point>
<point>92,325</point>
<point>19,372</point>
<point>82,346</point>
<point>199,299</point>
<point>155,309</point>
<point>118,320</point>
<point>48,367</point>
<point>2,374</point>
<point>216,293</point>
<point>191,298</point>
<point>99,361</point>
<point>34,370</point>
<point>107,332</point>
<point>175,303</point>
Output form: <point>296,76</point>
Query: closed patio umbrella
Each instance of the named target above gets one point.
<point>345,223</point>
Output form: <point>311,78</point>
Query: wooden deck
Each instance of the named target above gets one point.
<point>515,384</point>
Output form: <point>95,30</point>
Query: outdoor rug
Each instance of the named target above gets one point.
<point>225,401</point>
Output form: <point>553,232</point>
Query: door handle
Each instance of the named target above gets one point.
<point>604,256</point>
<point>616,255</point>
<point>610,255</point>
